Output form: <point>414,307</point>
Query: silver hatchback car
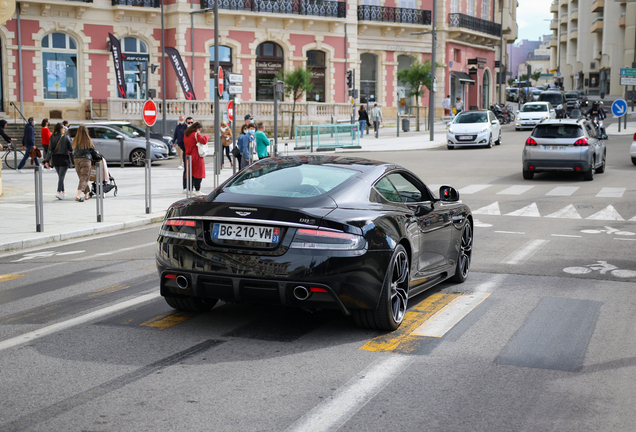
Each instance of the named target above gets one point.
<point>572,145</point>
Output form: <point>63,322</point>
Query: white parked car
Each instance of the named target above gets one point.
<point>532,113</point>
<point>632,150</point>
<point>473,129</point>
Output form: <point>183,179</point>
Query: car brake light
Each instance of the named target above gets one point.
<point>581,142</point>
<point>318,290</point>
<point>531,142</point>
<point>180,229</point>
<point>180,222</point>
<point>634,139</point>
<point>321,239</point>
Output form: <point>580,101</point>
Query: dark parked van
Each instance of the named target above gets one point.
<point>557,99</point>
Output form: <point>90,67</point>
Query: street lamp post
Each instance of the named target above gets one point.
<point>431,92</point>
<point>163,75</point>
<point>192,13</point>
<point>502,77</point>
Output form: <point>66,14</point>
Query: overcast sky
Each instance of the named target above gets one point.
<point>530,19</point>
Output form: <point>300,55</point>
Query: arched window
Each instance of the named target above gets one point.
<point>403,89</point>
<point>316,61</point>
<point>269,61</point>
<point>134,52</point>
<point>59,63</point>
<point>368,77</point>
<point>225,61</point>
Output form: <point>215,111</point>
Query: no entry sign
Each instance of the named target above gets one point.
<point>220,78</point>
<point>149,113</point>
<point>230,110</point>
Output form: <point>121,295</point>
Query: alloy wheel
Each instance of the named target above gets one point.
<point>465,251</point>
<point>399,285</point>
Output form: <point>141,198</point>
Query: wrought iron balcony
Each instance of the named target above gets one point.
<point>459,20</point>
<point>321,8</point>
<point>142,3</point>
<point>394,15</point>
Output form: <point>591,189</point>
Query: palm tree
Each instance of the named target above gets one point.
<point>417,76</point>
<point>297,83</point>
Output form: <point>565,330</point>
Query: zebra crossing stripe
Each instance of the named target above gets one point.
<point>492,209</point>
<point>608,213</point>
<point>563,191</point>
<point>473,188</point>
<point>608,192</point>
<point>529,211</point>
<point>515,190</point>
<point>568,212</point>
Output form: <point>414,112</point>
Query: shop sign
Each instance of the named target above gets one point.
<point>266,67</point>
<point>477,60</point>
<point>481,66</point>
<point>317,74</point>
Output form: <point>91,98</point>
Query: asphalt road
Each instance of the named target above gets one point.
<point>541,336</point>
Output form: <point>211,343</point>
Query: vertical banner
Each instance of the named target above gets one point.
<point>119,66</point>
<point>181,72</point>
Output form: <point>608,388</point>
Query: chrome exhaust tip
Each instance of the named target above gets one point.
<point>182,282</point>
<point>301,293</point>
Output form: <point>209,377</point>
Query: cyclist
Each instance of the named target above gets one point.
<point>6,137</point>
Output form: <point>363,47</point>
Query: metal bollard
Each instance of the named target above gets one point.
<point>398,124</point>
<point>188,168</point>
<point>39,200</point>
<point>121,151</point>
<point>99,190</point>
<point>148,190</point>
<point>311,137</point>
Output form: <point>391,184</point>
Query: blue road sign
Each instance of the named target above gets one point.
<point>558,74</point>
<point>619,108</point>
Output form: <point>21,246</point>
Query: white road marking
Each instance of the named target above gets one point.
<point>447,317</point>
<point>492,209</point>
<point>115,251</point>
<point>608,213</point>
<point>633,219</point>
<point>491,284</point>
<point>524,253</point>
<point>608,192</point>
<point>333,413</point>
<point>54,328</point>
<point>568,212</point>
<point>515,190</point>
<point>562,191</point>
<point>468,190</point>
<point>510,232</point>
<point>624,239</point>
<point>566,235</point>
<point>529,211</point>
<point>480,224</point>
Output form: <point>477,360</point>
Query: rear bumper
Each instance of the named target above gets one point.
<point>556,165</point>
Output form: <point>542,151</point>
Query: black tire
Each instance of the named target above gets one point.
<point>589,175</point>
<point>138,157</point>
<point>8,160</point>
<point>634,161</point>
<point>517,129</point>
<point>498,142</point>
<point>190,304</point>
<point>450,147</point>
<point>601,169</point>
<point>528,175</point>
<point>393,299</point>
<point>464,255</point>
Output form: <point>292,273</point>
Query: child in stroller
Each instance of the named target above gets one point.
<point>108,183</point>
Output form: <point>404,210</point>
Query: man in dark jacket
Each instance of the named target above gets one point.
<point>28,143</point>
<point>178,139</point>
<point>4,135</point>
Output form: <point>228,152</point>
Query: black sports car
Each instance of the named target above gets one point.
<point>315,232</point>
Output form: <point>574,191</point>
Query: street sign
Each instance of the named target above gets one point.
<point>619,108</point>
<point>149,113</point>
<point>230,110</point>
<point>627,80</point>
<point>235,78</point>
<point>220,80</point>
<point>235,89</point>
<point>558,74</point>
<point>547,75</point>
<point>628,72</point>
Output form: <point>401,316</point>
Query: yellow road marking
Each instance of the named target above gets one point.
<point>4,278</point>
<point>402,340</point>
<point>165,321</point>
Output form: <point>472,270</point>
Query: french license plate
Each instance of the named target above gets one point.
<point>466,137</point>
<point>554,147</point>
<point>528,123</point>
<point>262,234</point>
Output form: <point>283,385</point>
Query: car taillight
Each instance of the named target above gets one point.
<point>181,229</point>
<point>634,139</point>
<point>531,142</point>
<point>321,239</point>
<point>581,142</point>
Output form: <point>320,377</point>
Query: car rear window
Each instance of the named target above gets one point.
<point>289,180</point>
<point>534,108</point>
<point>553,98</point>
<point>557,131</point>
<point>571,96</point>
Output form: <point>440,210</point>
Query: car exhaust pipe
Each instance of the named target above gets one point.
<point>301,293</point>
<point>182,282</point>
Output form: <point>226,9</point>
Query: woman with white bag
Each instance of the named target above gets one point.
<point>196,143</point>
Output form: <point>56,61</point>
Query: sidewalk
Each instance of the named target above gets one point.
<point>612,129</point>
<point>69,219</point>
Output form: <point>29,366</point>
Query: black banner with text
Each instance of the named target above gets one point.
<point>115,47</point>
<point>181,72</point>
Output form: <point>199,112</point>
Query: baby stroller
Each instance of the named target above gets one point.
<point>108,183</point>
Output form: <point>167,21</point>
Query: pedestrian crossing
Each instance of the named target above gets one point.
<point>608,213</point>
<point>604,192</point>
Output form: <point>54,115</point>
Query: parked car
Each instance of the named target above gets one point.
<point>557,99</point>
<point>572,100</point>
<point>535,94</point>
<point>512,94</point>
<point>532,113</point>
<point>141,132</point>
<point>325,232</point>
<point>106,141</point>
<point>632,150</point>
<point>570,145</point>
<point>473,129</point>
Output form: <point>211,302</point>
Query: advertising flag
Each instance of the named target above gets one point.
<point>181,72</point>
<point>115,47</point>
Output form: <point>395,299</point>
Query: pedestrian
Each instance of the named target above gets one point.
<point>226,140</point>
<point>4,135</point>
<point>59,156</point>
<point>248,119</point>
<point>262,142</point>
<point>363,119</point>
<point>177,139</point>
<point>46,138</point>
<point>65,127</point>
<point>83,154</point>
<point>376,118</point>
<point>243,146</point>
<point>191,137</point>
<point>459,105</point>
<point>28,144</point>
<point>446,104</point>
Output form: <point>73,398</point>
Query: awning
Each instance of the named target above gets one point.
<point>463,77</point>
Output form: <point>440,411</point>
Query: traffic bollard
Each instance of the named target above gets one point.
<point>188,176</point>
<point>39,200</point>
<point>99,191</point>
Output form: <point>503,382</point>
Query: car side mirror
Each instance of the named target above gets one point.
<point>517,112</point>
<point>448,194</point>
<point>120,137</point>
<point>494,122</point>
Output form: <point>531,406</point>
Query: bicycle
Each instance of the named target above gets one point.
<point>9,161</point>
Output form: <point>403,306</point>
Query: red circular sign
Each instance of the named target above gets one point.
<point>149,113</point>
<point>230,110</point>
<point>220,78</point>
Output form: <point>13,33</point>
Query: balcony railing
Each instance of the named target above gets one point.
<point>471,23</point>
<point>142,3</point>
<point>394,15</point>
<point>322,8</point>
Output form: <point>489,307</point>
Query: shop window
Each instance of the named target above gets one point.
<point>269,61</point>
<point>225,61</point>
<point>405,100</point>
<point>59,64</point>
<point>368,77</point>
<point>316,62</point>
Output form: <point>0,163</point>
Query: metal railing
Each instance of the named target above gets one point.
<point>460,20</point>
<point>393,14</point>
<point>322,8</point>
<point>143,3</point>
<point>327,136</point>
<point>16,109</point>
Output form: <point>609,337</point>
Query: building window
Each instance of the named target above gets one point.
<point>368,78</point>
<point>454,6</point>
<point>134,52</point>
<point>59,63</point>
<point>470,10</point>
<point>269,61</point>
<point>225,61</point>
<point>484,9</point>
<point>316,62</point>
